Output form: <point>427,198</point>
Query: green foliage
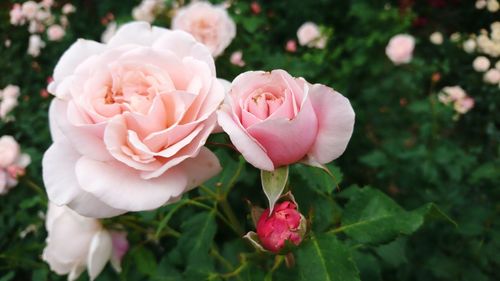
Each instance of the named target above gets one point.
<point>406,145</point>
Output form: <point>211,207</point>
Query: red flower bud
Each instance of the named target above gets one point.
<point>284,224</point>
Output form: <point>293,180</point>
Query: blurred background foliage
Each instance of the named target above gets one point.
<point>406,145</point>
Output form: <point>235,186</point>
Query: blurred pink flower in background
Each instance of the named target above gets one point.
<point>35,45</point>
<point>237,58</point>
<point>68,8</point>
<point>291,46</point>
<point>309,34</point>
<point>462,103</point>
<point>12,163</point>
<point>16,15</point>
<point>55,32</point>
<point>209,24</point>
<point>8,100</point>
<point>462,106</point>
<point>400,48</point>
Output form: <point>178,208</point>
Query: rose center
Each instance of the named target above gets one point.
<point>262,104</point>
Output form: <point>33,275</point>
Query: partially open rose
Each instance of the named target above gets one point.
<point>274,119</point>
<point>129,121</point>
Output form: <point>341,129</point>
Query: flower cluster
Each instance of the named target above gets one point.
<point>12,163</point>
<point>8,100</point>
<point>491,5</point>
<point>39,18</point>
<point>455,95</point>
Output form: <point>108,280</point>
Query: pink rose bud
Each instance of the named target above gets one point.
<point>400,48</point>
<point>284,224</point>
<point>55,32</point>
<point>291,46</point>
<point>256,9</point>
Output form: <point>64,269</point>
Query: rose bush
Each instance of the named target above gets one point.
<point>110,154</point>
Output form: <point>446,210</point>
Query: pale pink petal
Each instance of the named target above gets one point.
<point>88,205</point>
<point>251,150</point>
<point>76,54</point>
<point>138,33</point>
<point>287,141</point>
<point>120,248</point>
<point>184,45</point>
<point>335,123</point>
<point>58,166</point>
<point>99,253</point>
<point>85,138</point>
<point>201,168</point>
<point>121,187</point>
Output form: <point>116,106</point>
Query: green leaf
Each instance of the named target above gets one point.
<point>230,174</point>
<point>197,238</point>
<point>273,184</point>
<point>144,260</point>
<point>163,223</point>
<point>373,217</point>
<point>321,180</point>
<point>324,258</point>
<point>393,253</point>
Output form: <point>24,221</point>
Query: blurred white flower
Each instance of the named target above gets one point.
<point>481,4</point>
<point>492,76</point>
<point>35,45</point>
<point>436,38</point>
<point>455,37</point>
<point>469,45</point>
<point>462,106</point>
<point>497,65</point>
<point>8,100</point>
<point>12,163</point>
<point>481,64</point>
<point>147,10</point>
<point>29,9</point>
<point>68,8</point>
<point>493,6</point>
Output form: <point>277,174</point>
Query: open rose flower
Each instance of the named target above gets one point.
<point>274,119</point>
<point>400,48</point>
<point>211,25</point>
<point>76,243</point>
<point>130,120</point>
<point>12,163</point>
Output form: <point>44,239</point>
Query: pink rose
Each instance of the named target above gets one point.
<point>68,8</point>
<point>55,32</point>
<point>129,121</point>
<point>76,243</point>
<point>462,106</point>
<point>12,163</point>
<point>211,25</point>
<point>400,48</point>
<point>284,224</point>
<point>309,34</point>
<point>274,119</point>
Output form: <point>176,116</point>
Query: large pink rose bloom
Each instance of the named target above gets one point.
<point>274,119</point>
<point>211,25</point>
<point>400,48</point>
<point>130,120</point>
